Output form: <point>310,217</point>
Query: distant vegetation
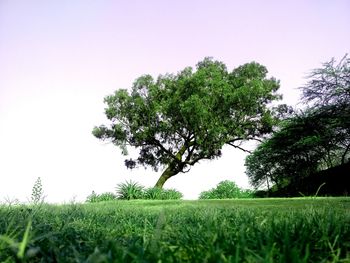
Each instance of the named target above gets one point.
<point>132,190</point>
<point>310,140</point>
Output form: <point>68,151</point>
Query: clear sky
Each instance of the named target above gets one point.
<point>58,59</point>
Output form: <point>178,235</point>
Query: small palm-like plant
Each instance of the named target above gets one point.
<point>129,190</point>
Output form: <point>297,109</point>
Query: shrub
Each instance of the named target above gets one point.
<point>108,196</point>
<point>129,190</point>
<point>261,193</point>
<point>171,194</point>
<point>207,194</point>
<point>226,189</point>
<point>246,193</point>
<point>93,197</point>
<point>161,194</point>
<point>153,193</point>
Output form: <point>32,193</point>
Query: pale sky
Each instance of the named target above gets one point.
<point>59,59</point>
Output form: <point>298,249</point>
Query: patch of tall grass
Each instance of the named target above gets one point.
<point>252,230</point>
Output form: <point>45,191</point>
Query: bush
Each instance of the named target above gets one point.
<point>261,193</point>
<point>207,194</point>
<point>153,193</point>
<point>157,193</point>
<point>171,194</point>
<point>129,190</point>
<point>93,197</point>
<point>225,190</point>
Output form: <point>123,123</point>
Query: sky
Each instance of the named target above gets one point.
<point>59,59</point>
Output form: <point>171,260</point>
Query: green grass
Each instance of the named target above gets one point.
<point>250,230</point>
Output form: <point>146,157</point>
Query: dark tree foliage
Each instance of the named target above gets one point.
<point>310,141</point>
<point>329,85</point>
<point>179,119</point>
<point>328,95</point>
<point>304,144</point>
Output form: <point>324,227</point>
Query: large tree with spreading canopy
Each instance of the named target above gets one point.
<point>180,119</point>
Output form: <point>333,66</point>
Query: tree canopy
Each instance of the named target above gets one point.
<point>311,140</point>
<point>329,85</point>
<point>179,119</point>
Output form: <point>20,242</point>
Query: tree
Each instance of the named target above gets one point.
<point>315,139</point>
<point>328,93</point>
<point>180,119</point>
<point>293,152</point>
<point>329,85</point>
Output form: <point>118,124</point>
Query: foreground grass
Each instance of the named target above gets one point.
<point>255,230</point>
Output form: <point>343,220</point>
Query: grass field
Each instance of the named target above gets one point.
<point>253,230</point>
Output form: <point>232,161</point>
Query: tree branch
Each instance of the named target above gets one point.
<point>194,161</point>
<point>238,147</point>
<point>157,143</point>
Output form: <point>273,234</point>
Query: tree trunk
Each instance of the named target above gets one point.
<point>165,176</point>
<point>344,154</point>
<point>171,170</point>
<point>268,185</point>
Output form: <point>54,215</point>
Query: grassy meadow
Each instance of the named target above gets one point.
<point>250,230</point>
